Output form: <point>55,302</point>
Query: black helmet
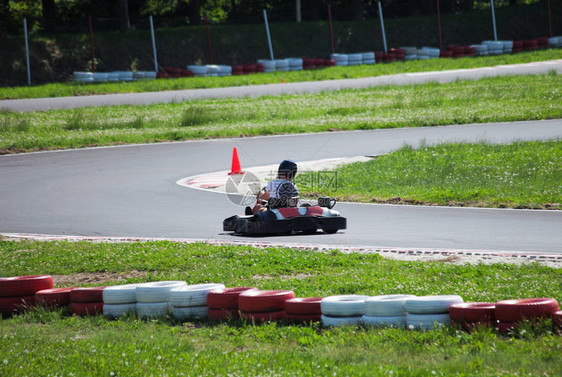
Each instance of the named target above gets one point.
<point>287,168</point>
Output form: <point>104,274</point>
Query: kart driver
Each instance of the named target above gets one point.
<point>280,188</point>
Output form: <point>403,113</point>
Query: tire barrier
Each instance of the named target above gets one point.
<point>198,70</point>
<point>114,311</point>
<point>398,321</point>
<point>281,65</point>
<point>306,309</point>
<point>427,321</point>
<point>16,304</point>
<point>340,59</point>
<point>368,57</point>
<point>223,303</point>
<point>256,305</point>
<point>354,59</point>
<point>386,306</point>
<point>226,298</point>
<point>431,304</point>
<point>340,321</point>
<point>343,310</point>
<point>480,49</point>
<point>428,312</point>
<point>190,301</point>
<point>86,301</point>
<point>215,302</point>
<point>268,65</point>
<point>525,309</point>
<point>79,76</point>
<point>54,297</point>
<point>156,291</point>
<point>263,301</point>
<point>153,298</point>
<point>147,310</point>
<point>212,70</point>
<point>24,285</point>
<point>295,64</point>
<point>470,315</point>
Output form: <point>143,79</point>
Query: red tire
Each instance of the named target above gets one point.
<point>16,304</point>
<point>24,285</point>
<point>528,308</point>
<point>303,306</point>
<point>88,295</point>
<point>53,297</point>
<point>506,327</point>
<point>303,318</point>
<point>473,312</point>
<point>263,316</point>
<point>264,301</point>
<point>226,298</point>
<point>86,308</point>
<point>223,314</point>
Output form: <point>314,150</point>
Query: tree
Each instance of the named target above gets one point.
<point>4,17</point>
<point>124,20</point>
<point>194,11</point>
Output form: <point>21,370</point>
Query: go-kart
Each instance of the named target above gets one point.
<point>283,216</point>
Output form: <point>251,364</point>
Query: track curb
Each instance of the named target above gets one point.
<point>382,250</point>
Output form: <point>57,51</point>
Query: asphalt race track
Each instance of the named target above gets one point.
<point>131,191</point>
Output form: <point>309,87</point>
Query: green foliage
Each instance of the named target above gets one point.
<point>520,175</point>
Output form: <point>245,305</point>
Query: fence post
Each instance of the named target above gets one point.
<point>439,26</point>
<point>209,39</point>
<point>382,27</point>
<point>494,20</point>
<point>153,45</point>
<point>92,44</point>
<point>331,30</point>
<point>268,36</point>
<point>27,52</point>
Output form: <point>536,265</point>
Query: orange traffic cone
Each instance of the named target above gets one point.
<point>236,168</point>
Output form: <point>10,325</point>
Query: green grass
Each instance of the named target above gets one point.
<point>520,175</point>
<point>42,342</point>
<point>487,100</point>
<point>80,89</point>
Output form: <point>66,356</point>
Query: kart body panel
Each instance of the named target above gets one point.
<point>287,221</point>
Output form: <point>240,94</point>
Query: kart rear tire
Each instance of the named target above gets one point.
<point>331,231</point>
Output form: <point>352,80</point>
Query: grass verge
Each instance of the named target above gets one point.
<point>520,175</point>
<point>42,342</point>
<point>487,100</point>
<point>81,89</point>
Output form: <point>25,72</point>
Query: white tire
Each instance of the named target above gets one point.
<point>422,52</point>
<point>192,295</point>
<point>113,76</point>
<point>343,306</point>
<point>398,321</point>
<point>118,310</point>
<point>431,304</point>
<point>198,70</point>
<point>120,294</point>
<point>138,75</point>
<point>83,76</point>
<point>386,306</point>
<point>157,291</point>
<point>553,42</point>
<point>408,50</point>
<point>152,309</point>
<point>367,56</point>
<point>267,64</point>
<point>340,321</point>
<point>427,321</point>
<point>100,76</point>
<point>149,75</point>
<point>125,75</point>
<point>192,312</point>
